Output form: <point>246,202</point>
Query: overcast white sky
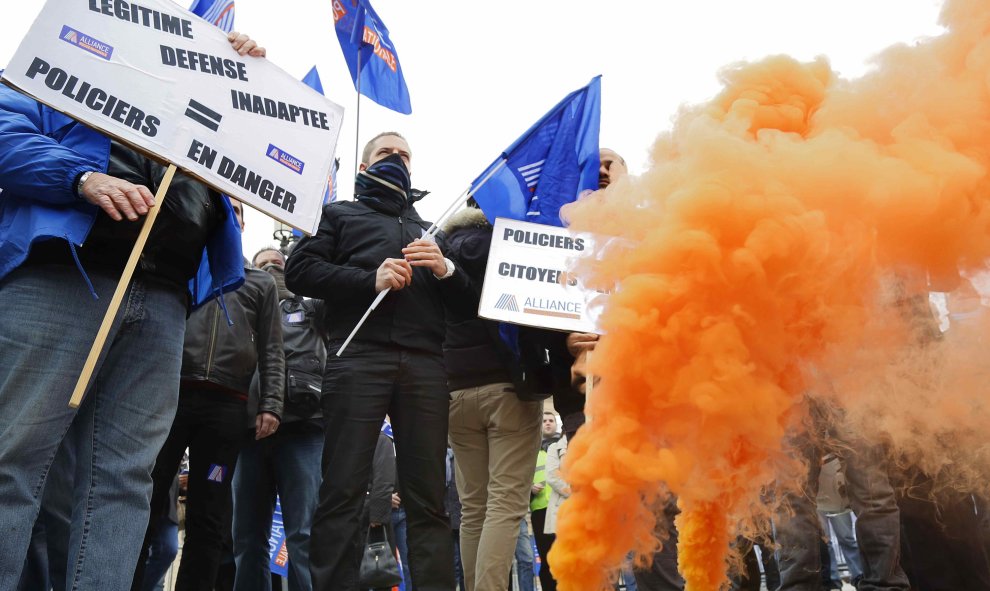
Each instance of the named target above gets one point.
<point>480,73</point>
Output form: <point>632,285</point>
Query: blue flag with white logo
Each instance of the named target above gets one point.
<point>548,166</point>
<point>218,12</point>
<point>363,36</point>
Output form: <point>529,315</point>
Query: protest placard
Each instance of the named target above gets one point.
<point>528,282</point>
<point>167,82</point>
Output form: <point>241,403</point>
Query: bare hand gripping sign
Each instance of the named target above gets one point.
<point>166,81</point>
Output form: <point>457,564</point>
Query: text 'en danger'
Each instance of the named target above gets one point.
<point>240,175</point>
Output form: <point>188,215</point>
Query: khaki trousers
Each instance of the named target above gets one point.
<point>495,438</point>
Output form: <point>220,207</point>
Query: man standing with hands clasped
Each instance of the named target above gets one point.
<point>394,365</point>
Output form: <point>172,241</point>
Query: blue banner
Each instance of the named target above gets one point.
<point>548,166</point>
<point>364,38</point>
<point>276,543</point>
<point>218,12</point>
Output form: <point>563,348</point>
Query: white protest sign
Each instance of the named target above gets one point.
<point>163,80</point>
<point>527,280</point>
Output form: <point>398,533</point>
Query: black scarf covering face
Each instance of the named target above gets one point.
<point>384,186</point>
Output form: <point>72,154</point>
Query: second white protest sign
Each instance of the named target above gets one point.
<point>527,280</point>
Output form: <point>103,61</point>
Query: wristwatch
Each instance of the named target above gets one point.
<point>450,269</point>
<point>82,181</point>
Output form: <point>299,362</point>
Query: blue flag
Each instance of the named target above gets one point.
<point>549,165</point>
<point>218,12</point>
<point>312,80</point>
<point>363,36</point>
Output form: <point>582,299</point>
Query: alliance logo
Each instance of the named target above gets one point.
<point>83,41</point>
<point>507,302</point>
<point>217,473</point>
<point>285,159</point>
<point>553,307</point>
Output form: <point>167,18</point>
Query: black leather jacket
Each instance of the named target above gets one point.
<point>228,355</point>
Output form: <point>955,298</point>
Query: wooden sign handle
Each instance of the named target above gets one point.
<point>118,294</point>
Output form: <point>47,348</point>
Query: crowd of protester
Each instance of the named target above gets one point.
<point>438,431</point>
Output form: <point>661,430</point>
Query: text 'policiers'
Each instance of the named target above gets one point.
<point>96,99</point>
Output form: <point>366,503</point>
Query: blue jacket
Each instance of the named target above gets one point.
<point>42,152</point>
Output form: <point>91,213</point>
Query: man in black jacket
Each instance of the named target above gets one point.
<point>219,360</point>
<point>287,463</point>
<point>394,365</point>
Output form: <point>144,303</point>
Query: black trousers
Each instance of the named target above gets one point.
<point>359,388</point>
<point>663,574</point>
<point>543,544</point>
<point>942,536</point>
<point>211,425</point>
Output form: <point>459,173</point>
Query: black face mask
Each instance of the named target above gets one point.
<point>385,185</point>
<point>278,272</point>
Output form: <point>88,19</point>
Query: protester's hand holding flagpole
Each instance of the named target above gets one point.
<point>118,294</point>
<point>430,234</point>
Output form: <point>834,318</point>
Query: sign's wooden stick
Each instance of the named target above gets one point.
<point>118,295</point>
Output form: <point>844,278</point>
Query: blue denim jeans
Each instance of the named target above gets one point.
<point>524,558</point>
<point>842,525</point>
<point>47,555</point>
<point>399,526</point>
<point>286,464</point>
<point>48,323</point>
<point>458,565</point>
<point>161,554</point>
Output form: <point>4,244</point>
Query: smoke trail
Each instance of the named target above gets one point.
<point>783,233</point>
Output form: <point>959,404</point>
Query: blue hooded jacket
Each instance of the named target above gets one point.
<point>42,152</point>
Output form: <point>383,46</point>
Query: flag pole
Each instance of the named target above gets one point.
<point>430,234</point>
<point>357,122</point>
<point>118,294</point>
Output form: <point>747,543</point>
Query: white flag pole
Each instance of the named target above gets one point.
<point>357,121</point>
<point>430,234</point>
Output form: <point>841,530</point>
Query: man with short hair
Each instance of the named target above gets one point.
<point>286,464</point>
<point>551,433</point>
<point>393,366</point>
<point>612,167</point>
<point>662,574</point>
<point>569,401</point>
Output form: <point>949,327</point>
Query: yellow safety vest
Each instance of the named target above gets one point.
<point>542,500</point>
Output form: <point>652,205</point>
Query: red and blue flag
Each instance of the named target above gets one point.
<point>364,40</point>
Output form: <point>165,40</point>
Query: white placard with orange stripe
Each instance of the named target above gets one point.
<point>527,280</point>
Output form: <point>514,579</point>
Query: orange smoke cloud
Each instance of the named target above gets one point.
<point>774,232</point>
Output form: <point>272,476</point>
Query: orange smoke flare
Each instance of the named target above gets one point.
<point>761,238</point>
